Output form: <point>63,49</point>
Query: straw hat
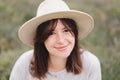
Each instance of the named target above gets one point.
<point>51,9</point>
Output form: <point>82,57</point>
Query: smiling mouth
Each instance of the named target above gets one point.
<point>62,48</point>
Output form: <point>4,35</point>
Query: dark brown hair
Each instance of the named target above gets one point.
<point>40,60</point>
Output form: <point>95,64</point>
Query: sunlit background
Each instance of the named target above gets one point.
<point>104,41</point>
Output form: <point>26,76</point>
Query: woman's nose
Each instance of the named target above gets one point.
<point>60,38</point>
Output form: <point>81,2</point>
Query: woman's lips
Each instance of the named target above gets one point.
<point>61,48</point>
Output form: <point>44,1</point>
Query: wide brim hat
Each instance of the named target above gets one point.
<point>52,9</point>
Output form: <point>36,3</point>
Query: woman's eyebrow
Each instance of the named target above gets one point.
<point>51,30</point>
<point>66,28</point>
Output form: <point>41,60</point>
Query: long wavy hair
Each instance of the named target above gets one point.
<point>39,63</point>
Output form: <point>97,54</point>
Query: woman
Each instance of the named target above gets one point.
<point>54,33</point>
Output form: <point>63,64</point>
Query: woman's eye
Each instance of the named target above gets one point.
<point>51,33</point>
<point>67,30</point>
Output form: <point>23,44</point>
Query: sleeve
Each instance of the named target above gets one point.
<point>21,67</point>
<point>94,72</point>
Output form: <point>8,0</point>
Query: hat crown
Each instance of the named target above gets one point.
<point>50,6</point>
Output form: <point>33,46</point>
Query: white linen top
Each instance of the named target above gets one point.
<point>91,69</point>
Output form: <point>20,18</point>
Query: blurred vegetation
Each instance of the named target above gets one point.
<point>104,41</point>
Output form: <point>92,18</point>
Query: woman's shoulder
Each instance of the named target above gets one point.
<point>27,54</point>
<point>89,56</point>
<point>21,67</point>
<point>91,65</point>
<point>89,59</point>
<point>25,58</point>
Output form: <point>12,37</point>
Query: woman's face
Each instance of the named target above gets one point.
<point>60,42</point>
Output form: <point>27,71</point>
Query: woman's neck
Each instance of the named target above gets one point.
<point>56,64</point>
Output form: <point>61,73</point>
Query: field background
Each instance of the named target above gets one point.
<point>104,41</point>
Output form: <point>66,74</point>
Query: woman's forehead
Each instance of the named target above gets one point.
<point>58,23</point>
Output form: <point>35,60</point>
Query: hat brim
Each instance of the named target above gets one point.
<point>84,22</point>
